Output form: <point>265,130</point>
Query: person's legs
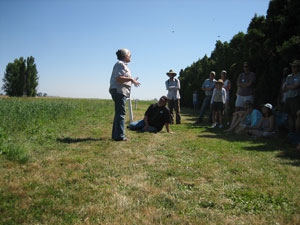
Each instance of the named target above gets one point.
<point>220,119</point>
<point>294,114</point>
<point>137,125</point>
<point>205,104</point>
<point>298,122</point>
<point>227,112</point>
<point>214,118</point>
<point>240,128</point>
<point>151,129</point>
<point>291,122</point>
<point>119,119</point>
<point>177,111</point>
<point>171,104</point>
<point>235,121</point>
<point>256,132</point>
<point>239,103</point>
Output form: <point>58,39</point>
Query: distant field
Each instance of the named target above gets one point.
<point>59,166</point>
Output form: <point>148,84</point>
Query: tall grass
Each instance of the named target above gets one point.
<point>28,117</point>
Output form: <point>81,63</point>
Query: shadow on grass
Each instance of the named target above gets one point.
<point>285,149</point>
<point>69,140</point>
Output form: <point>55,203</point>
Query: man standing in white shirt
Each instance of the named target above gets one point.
<point>173,86</point>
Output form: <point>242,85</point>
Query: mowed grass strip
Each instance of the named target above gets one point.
<point>74,173</point>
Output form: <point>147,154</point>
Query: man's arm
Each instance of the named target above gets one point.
<point>178,84</point>
<point>146,123</point>
<point>293,86</point>
<point>228,86</point>
<point>251,80</point>
<point>168,128</point>
<point>204,88</point>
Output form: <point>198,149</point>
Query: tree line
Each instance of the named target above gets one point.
<point>21,78</point>
<point>269,45</point>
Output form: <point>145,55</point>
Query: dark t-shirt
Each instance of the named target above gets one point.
<point>246,91</point>
<point>158,116</point>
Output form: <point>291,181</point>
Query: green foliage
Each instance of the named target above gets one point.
<point>21,78</point>
<point>270,43</point>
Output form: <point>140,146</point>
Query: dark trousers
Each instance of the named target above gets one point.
<point>205,105</point>
<point>174,104</point>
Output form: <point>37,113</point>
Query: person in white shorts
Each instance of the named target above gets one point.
<point>245,83</point>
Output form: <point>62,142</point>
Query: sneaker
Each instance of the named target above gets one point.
<point>221,126</point>
<point>214,125</point>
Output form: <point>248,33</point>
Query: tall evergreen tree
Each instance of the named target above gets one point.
<point>31,77</point>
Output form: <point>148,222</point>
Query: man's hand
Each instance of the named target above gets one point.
<point>135,82</point>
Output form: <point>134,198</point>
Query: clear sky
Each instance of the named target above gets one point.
<point>74,41</point>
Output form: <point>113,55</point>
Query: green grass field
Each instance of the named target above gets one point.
<point>59,166</point>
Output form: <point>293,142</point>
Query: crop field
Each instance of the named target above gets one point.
<point>58,165</point>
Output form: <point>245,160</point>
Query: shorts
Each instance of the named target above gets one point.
<point>292,105</point>
<point>240,100</point>
<point>217,106</point>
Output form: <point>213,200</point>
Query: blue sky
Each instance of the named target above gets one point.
<point>74,41</point>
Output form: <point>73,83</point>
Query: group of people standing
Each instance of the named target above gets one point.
<point>244,119</point>
<point>216,98</point>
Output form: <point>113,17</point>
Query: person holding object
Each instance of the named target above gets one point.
<point>156,116</point>
<point>173,87</point>
<point>120,87</point>
<point>217,102</point>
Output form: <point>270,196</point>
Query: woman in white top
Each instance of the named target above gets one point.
<point>120,86</point>
<point>227,86</point>
<point>218,101</point>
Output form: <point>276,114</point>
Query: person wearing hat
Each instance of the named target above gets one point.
<point>173,87</point>
<point>245,84</point>
<point>266,125</point>
<point>217,102</point>
<point>207,86</point>
<point>291,88</point>
<point>120,86</point>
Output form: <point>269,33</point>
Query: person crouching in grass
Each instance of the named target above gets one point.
<point>218,101</point>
